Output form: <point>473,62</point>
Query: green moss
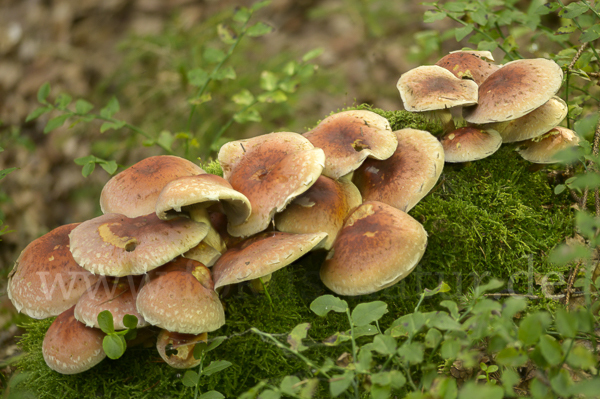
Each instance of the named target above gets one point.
<point>491,218</point>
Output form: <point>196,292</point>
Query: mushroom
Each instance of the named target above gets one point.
<point>378,246</point>
<point>514,90</point>
<point>407,176</point>
<point>180,297</point>
<point>177,349</point>
<point>466,65</point>
<point>70,347</point>
<point>322,208</point>
<point>134,191</point>
<point>270,170</point>
<point>470,144</point>
<point>349,137</point>
<point>46,280</point>
<point>115,245</point>
<point>544,149</point>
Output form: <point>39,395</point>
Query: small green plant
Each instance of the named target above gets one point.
<point>114,343</point>
<point>415,354</point>
<point>191,378</point>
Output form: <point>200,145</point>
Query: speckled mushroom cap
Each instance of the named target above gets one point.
<point>349,137</point>
<point>183,345</point>
<point>407,176</point>
<point>202,191</point>
<point>322,208</point>
<point>484,54</point>
<point>378,246</point>
<point>262,255</point>
<point>115,245</point>
<point>134,191</point>
<point>543,149</point>
<point>431,87</point>
<point>466,65</point>
<point>470,144</point>
<point>117,295</point>
<point>46,280</point>
<point>514,90</point>
<point>270,170</point>
<point>180,297</point>
<point>533,124</point>
<point>70,347</point>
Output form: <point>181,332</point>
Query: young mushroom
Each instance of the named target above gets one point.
<point>470,144</point>
<point>544,149</point>
<point>177,349</point>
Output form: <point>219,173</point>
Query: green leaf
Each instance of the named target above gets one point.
<point>259,29</point>
<point>432,16</point>
<point>490,286</point>
<point>566,30</point>
<point>215,342</point>
<point>472,390</point>
<point>384,344</point>
<point>586,388</point>
<point>337,339</point>
<point>129,320</point>
<point>211,394</point>
<point>105,322</point>
<point>204,98</point>
<point>573,10</point>
<point>590,34</point>
<point>114,346</point>
<point>88,169</point>
<point>297,335</point>
<point>314,53</point>
<point>111,108</point>
<point>268,81</point>
<point>6,171</point>
<point>290,385</point>
<point>260,4</point>
<point>276,96</point>
<point>190,378</point>
<point>165,139</point>
<point>338,384</point>
<point>360,331</point>
<point>411,352</point>
<point>366,313</point>
<point>461,33</point>
<point>485,45</point>
<point>441,320</point>
<point>242,15</point>
<point>199,350</point>
<point>55,123</point>
<point>224,73</point>
<point>559,188</point>
<point>441,288</point>
<point>244,97</point>
<point>532,327</point>
<point>111,167</point>
<point>82,107</point>
<point>581,358</point>
<point>43,93</point>
<point>380,391</point>
<point>226,34</point>
<point>551,350</point>
<point>479,16</point>
<point>111,125</point>
<point>36,113</point>
<point>566,323</point>
<point>561,383</point>
<point>364,361</point>
<point>452,307</point>
<point>326,303</point>
<point>450,348</point>
<point>197,77</point>
<point>215,367</point>
<point>433,338</point>
<point>249,115</point>
<point>407,325</point>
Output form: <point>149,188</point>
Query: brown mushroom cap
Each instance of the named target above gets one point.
<point>470,144</point>
<point>533,124</point>
<point>378,246</point>
<point>134,191</point>
<point>349,137</point>
<point>543,149</point>
<point>116,245</point>
<point>180,297</point>
<point>322,208</point>
<point>261,255</point>
<point>270,170</point>
<point>183,345</point>
<point>46,280</point>
<point>70,347</point>
<point>407,176</point>
<point>514,90</point>
<point>483,54</point>
<point>117,295</point>
<point>467,65</point>
<point>431,87</point>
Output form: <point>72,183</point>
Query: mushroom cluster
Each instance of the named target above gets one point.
<point>510,103</point>
<point>344,187</point>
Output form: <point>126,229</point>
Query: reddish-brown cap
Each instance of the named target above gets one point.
<point>465,65</point>
<point>70,347</point>
<point>270,170</point>
<point>134,191</point>
<point>470,144</point>
<point>177,349</point>
<point>115,245</point>
<point>117,295</point>
<point>543,149</point>
<point>349,137</point>
<point>431,87</point>
<point>46,280</point>
<point>407,176</point>
<point>322,208</point>
<point>180,297</point>
<point>514,90</point>
<point>378,246</point>
<point>262,255</point>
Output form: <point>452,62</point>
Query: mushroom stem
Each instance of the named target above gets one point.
<point>200,214</point>
<point>444,116</point>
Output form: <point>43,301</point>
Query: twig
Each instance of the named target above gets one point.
<point>570,283</point>
<point>577,55</point>
<point>513,294</point>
